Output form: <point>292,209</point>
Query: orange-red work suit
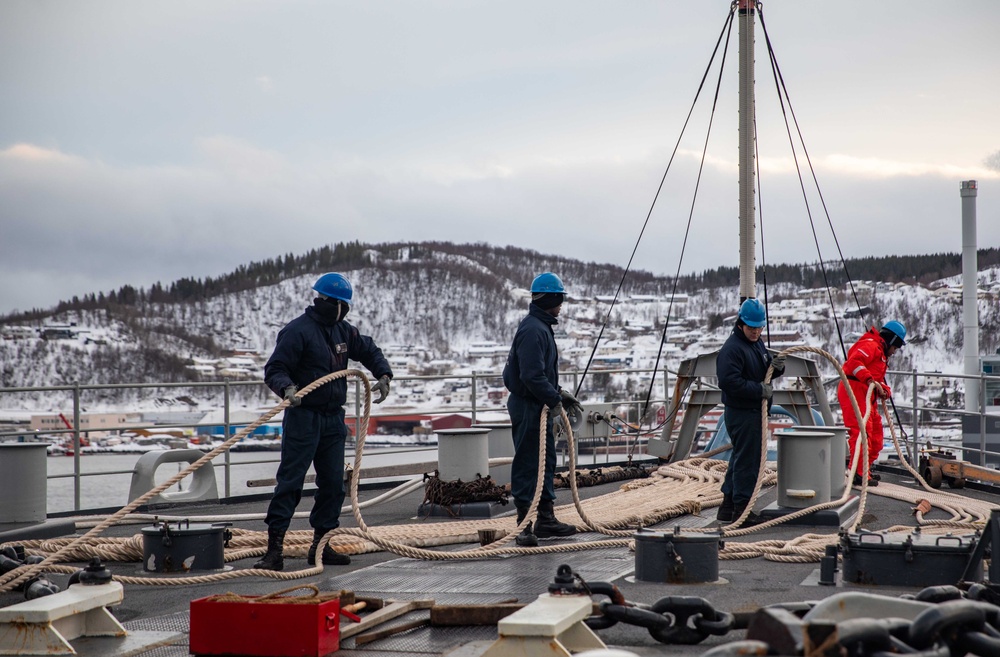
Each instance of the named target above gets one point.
<point>866,361</point>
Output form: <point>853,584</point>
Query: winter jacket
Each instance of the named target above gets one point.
<point>309,347</point>
<point>532,369</point>
<point>741,367</point>
<point>866,360</point>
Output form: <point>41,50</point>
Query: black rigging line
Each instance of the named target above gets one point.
<point>687,228</point>
<point>826,211</point>
<point>780,87</point>
<point>621,283</point>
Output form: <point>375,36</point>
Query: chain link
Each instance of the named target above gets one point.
<point>448,493</point>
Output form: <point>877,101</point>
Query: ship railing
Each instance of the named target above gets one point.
<point>974,431</point>
<point>79,397</point>
<point>73,426</point>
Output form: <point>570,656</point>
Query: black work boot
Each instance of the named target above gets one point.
<point>273,559</point>
<point>330,556</point>
<point>526,538</point>
<point>548,525</point>
<point>725,513</point>
<point>872,480</point>
<point>751,519</point>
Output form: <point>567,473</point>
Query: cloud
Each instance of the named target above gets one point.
<point>76,225</point>
<point>29,153</point>
<point>890,169</point>
<point>265,83</point>
<point>992,161</point>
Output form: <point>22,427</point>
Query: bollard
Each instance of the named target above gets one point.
<point>463,453</point>
<point>828,567</point>
<point>23,482</point>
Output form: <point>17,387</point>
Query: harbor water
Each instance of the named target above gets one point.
<point>107,491</point>
<point>111,490</point>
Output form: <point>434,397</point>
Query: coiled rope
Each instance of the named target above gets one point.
<point>11,579</point>
<point>675,489</point>
<point>966,513</point>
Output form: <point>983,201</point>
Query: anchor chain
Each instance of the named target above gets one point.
<point>693,620</point>
<point>448,493</point>
<point>598,476</point>
<point>684,620</point>
<point>959,622</point>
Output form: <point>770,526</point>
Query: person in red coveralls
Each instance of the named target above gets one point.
<point>866,362</point>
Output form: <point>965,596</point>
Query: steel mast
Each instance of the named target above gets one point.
<point>703,399</point>
<point>748,233</point>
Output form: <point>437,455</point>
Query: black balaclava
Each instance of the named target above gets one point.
<point>331,310</point>
<point>891,339</point>
<point>547,300</point>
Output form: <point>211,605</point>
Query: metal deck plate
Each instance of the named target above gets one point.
<point>179,622</point>
<point>504,577</point>
<point>464,581</point>
<point>430,640</point>
<point>136,643</point>
<point>479,581</point>
<point>835,517</point>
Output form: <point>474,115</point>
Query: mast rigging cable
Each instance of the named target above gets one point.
<point>783,98</point>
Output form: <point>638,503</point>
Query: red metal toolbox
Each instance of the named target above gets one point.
<point>273,627</point>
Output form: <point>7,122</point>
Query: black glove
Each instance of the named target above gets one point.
<point>382,387</point>
<point>557,419</point>
<point>766,390</point>
<point>571,403</point>
<point>778,363</point>
<point>291,397</point>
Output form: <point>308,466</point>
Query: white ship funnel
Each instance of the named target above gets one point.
<point>970,286</point>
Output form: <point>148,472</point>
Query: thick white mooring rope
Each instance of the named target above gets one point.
<point>679,488</point>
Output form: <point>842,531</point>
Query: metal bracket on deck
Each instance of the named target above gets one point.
<point>203,485</point>
<point>46,625</point>
<point>551,625</point>
<point>991,534</point>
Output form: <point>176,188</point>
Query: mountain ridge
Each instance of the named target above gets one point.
<point>516,263</point>
<point>441,298</point>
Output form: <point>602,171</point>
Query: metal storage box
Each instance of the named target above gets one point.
<point>676,558</point>
<point>907,559</point>
<point>184,546</point>
<point>269,628</point>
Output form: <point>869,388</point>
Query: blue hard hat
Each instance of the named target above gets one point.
<point>753,314</point>
<point>547,283</point>
<point>898,330</point>
<point>335,286</point>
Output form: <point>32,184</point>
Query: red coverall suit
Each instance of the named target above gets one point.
<point>866,360</point>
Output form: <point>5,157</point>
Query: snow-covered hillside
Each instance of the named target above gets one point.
<point>437,312</point>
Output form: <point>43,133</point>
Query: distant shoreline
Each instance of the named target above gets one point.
<point>56,451</point>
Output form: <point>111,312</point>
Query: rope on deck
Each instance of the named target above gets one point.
<point>675,489</point>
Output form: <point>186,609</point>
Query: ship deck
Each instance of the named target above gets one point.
<point>743,587</point>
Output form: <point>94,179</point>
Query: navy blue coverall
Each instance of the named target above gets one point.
<point>741,367</point>
<point>310,347</point>
<point>532,377</point>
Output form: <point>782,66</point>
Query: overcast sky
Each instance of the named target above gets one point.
<point>150,141</point>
